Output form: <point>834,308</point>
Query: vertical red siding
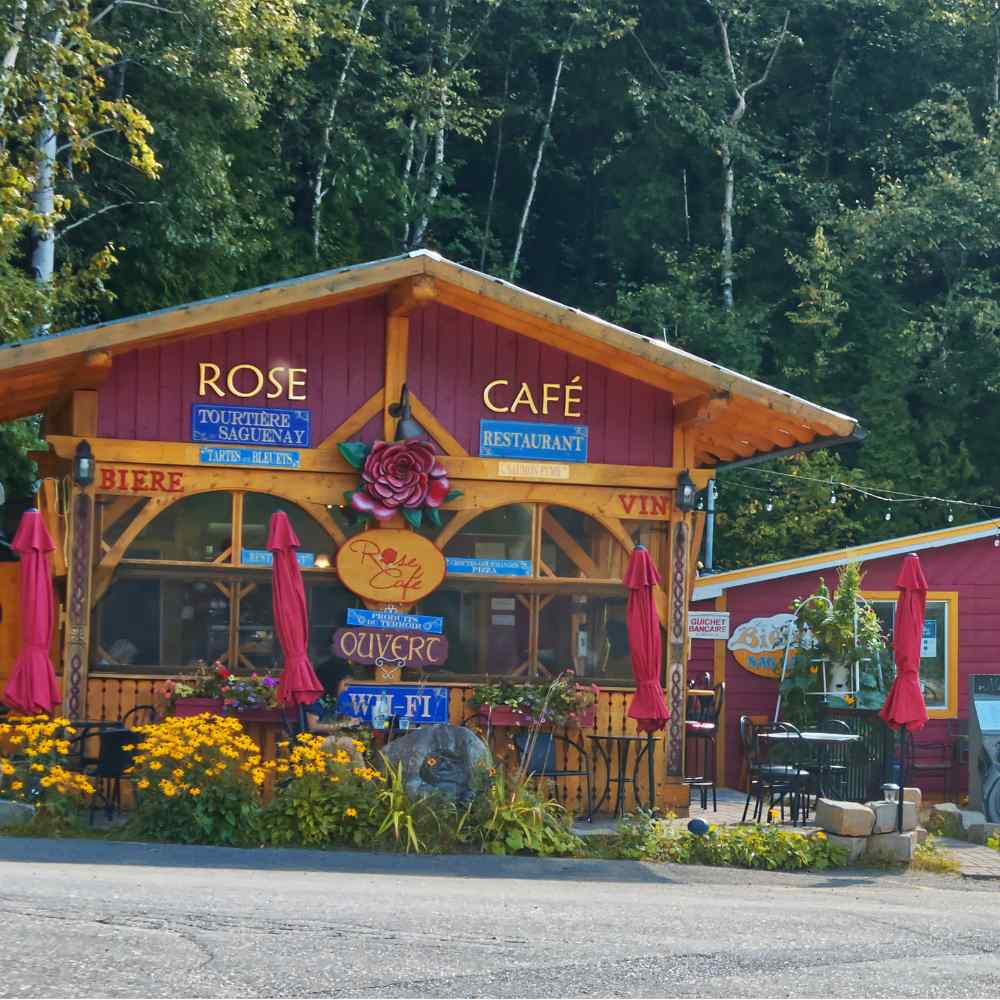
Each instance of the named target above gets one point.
<point>149,393</point>
<point>453,356</point>
<point>971,568</point>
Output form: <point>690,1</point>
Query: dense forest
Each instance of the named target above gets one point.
<point>805,193</point>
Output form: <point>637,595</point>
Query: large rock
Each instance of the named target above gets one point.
<point>887,813</point>
<point>921,835</point>
<point>945,818</point>
<point>979,833</point>
<point>846,819</point>
<point>913,795</point>
<point>970,818</point>
<point>855,846</point>
<point>892,847</point>
<point>15,813</point>
<point>441,759</point>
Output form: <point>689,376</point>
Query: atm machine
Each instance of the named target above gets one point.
<point>984,746</point>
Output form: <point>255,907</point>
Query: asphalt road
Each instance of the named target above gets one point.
<point>83,918</point>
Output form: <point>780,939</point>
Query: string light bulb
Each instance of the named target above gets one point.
<point>996,539</point>
<point>833,496</point>
<point>769,506</point>
<point>888,513</point>
<point>951,515</point>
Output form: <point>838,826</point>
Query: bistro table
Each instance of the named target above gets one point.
<point>824,743</point>
<point>609,745</point>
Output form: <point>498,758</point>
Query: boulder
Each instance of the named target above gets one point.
<point>855,846</point>
<point>921,834</point>
<point>846,819</point>
<point>440,759</point>
<point>913,795</point>
<point>14,813</point>
<point>945,818</point>
<point>892,847</point>
<point>970,818</point>
<point>979,833</point>
<point>887,813</point>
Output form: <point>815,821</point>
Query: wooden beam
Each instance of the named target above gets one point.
<point>353,424</point>
<point>397,346</point>
<point>410,294</point>
<point>435,428</point>
<point>570,546</point>
<point>701,410</point>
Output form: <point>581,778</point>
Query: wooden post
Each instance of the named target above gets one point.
<point>718,677</point>
<point>401,301</point>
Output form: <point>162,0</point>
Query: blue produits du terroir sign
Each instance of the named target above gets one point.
<point>249,425</point>
<point>264,458</point>
<point>261,557</point>
<point>395,620</point>
<point>419,705</point>
<point>489,567</point>
<point>548,442</point>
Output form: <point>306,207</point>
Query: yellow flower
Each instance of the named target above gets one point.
<point>432,761</point>
<point>820,835</point>
<point>350,812</point>
<point>194,791</point>
<point>774,813</point>
<point>849,698</point>
<point>155,765</point>
<point>177,773</point>
<point>143,783</point>
<point>37,767</point>
<point>814,669</point>
<point>17,785</point>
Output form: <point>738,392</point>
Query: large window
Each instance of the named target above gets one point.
<point>938,654</point>
<point>184,592</point>
<point>532,589</point>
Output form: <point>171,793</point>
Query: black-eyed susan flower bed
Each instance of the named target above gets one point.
<point>34,768</point>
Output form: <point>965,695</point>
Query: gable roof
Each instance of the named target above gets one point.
<point>708,587</point>
<point>739,416</point>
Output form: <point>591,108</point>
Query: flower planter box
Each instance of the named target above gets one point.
<point>185,707</point>
<point>504,715</point>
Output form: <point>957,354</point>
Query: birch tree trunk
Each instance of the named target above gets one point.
<point>728,202</point>
<point>11,53</point>
<point>319,190</point>
<point>496,164</point>
<point>43,240</point>
<point>539,153</point>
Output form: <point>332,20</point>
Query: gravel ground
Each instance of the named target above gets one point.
<point>91,918</point>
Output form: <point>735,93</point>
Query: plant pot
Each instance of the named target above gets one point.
<point>257,714</point>
<point>185,707</point>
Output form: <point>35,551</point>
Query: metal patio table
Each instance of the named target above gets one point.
<point>823,742</point>
<point>608,745</point>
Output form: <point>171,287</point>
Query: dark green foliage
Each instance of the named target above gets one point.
<point>866,216</point>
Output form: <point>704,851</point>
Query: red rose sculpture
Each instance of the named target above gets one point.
<point>400,477</point>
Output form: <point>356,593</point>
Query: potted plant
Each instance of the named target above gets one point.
<point>218,691</point>
<point>560,702</point>
<point>839,641</point>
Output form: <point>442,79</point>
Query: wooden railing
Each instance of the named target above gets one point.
<point>111,696</point>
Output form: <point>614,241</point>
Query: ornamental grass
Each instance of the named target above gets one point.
<point>34,769</point>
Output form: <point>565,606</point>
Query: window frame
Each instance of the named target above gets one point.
<point>951,665</point>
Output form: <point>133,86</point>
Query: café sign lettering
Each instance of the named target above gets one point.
<point>377,647</point>
<point>501,396</point>
<point>390,565</point>
<point>114,479</point>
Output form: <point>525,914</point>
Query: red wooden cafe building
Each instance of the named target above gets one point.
<point>566,441</point>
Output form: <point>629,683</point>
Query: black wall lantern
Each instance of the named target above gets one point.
<point>687,493</point>
<point>83,465</point>
<point>407,429</point>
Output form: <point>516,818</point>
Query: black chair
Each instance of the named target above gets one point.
<point>830,770</point>
<point>701,728</point>
<point>110,767</point>
<point>141,715</point>
<point>773,774</point>
<point>542,750</point>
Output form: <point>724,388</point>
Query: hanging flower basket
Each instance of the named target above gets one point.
<point>504,715</point>
<point>185,707</point>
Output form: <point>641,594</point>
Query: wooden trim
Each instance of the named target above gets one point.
<point>435,428</point>
<point>950,599</point>
<point>410,294</point>
<point>569,545</point>
<point>719,677</point>
<point>236,533</point>
<point>321,515</point>
<point>326,459</point>
<point>113,512</point>
<point>397,345</point>
<point>455,525</point>
<point>351,426</point>
<point>106,567</point>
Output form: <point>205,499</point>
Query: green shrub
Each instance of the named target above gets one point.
<point>931,857</point>
<point>514,814</point>
<point>994,842</point>
<point>646,838</point>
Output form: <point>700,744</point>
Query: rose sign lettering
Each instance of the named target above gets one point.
<point>389,569</point>
<point>390,565</point>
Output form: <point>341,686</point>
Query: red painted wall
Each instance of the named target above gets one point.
<point>453,356</point>
<point>149,392</point>
<point>971,568</point>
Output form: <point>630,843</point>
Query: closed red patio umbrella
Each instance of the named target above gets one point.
<point>905,707</point>
<point>32,687</point>
<point>648,708</point>
<point>299,684</point>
